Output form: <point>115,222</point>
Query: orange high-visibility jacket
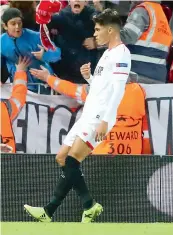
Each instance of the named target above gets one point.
<point>10,108</point>
<point>126,135</point>
<point>150,52</point>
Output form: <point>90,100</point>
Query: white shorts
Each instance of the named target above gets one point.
<point>85,130</point>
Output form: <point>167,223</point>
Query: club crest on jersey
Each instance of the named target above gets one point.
<point>98,71</point>
<point>121,64</point>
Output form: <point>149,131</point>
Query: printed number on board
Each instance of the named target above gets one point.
<point>119,149</point>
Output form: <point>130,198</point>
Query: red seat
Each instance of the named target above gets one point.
<point>168,11</point>
<point>170,64</point>
<point>170,79</point>
<point>64,3</point>
<point>3,2</point>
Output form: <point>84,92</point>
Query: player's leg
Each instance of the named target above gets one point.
<point>65,182</point>
<point>63,186</point>
<point>44,214</point>
<point>62,154</point>
<point>78,152</point>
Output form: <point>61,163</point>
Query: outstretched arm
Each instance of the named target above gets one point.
<point>18,97</point>
<point>75,91</point>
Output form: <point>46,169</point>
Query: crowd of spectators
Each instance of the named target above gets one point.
<point>147,30</point>
<point>71,30</point>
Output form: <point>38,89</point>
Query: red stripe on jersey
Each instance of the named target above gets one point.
<point>120,73</point>
<point>89,145</point>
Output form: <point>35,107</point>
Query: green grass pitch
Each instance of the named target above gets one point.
<point>31,228</point>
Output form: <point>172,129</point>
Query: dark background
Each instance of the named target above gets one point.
<point>119,183</point>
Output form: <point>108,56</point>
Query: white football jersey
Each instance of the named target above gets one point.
<point>112,70</point>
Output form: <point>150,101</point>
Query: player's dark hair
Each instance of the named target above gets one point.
<point>108,17</point>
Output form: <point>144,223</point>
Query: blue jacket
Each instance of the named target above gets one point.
<point>12,48</point>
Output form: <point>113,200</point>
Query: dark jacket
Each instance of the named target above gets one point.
<point>72,31</point>
<point>29,22</point>
<point>4,70</point>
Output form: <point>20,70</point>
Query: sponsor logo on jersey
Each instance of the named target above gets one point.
<point>98,71</point>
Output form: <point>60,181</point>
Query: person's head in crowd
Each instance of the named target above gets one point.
<point>77,6</point>
<point>24,6</point>
<point>28,9</point>
<point>107,26</point>
<point>12,22</point>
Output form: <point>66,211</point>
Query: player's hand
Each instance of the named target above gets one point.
<point>41,74</point>
<point>101,131</point>
<point>86,70</point>
<point>89,43</point>
<point>6,148</point>
<point>23,63</point>
<point>39,54</point>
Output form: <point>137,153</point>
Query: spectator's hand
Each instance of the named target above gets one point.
<point>23,63</point>
<point>89,43</point>
<point>86,70</point>
<point>6,148</point>
<point>101,131</point>
<point>39,54</point>
<point>96,1</point>
<point>54,32</point>
<point>98,6</point>
<point>41,74</point>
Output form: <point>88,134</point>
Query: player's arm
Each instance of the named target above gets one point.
<point>111,109</point>
<point>86,72</point>
<point>116,97</point>
<point>90,79</point>
<point>19,90</point>
<point>119,75</point>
